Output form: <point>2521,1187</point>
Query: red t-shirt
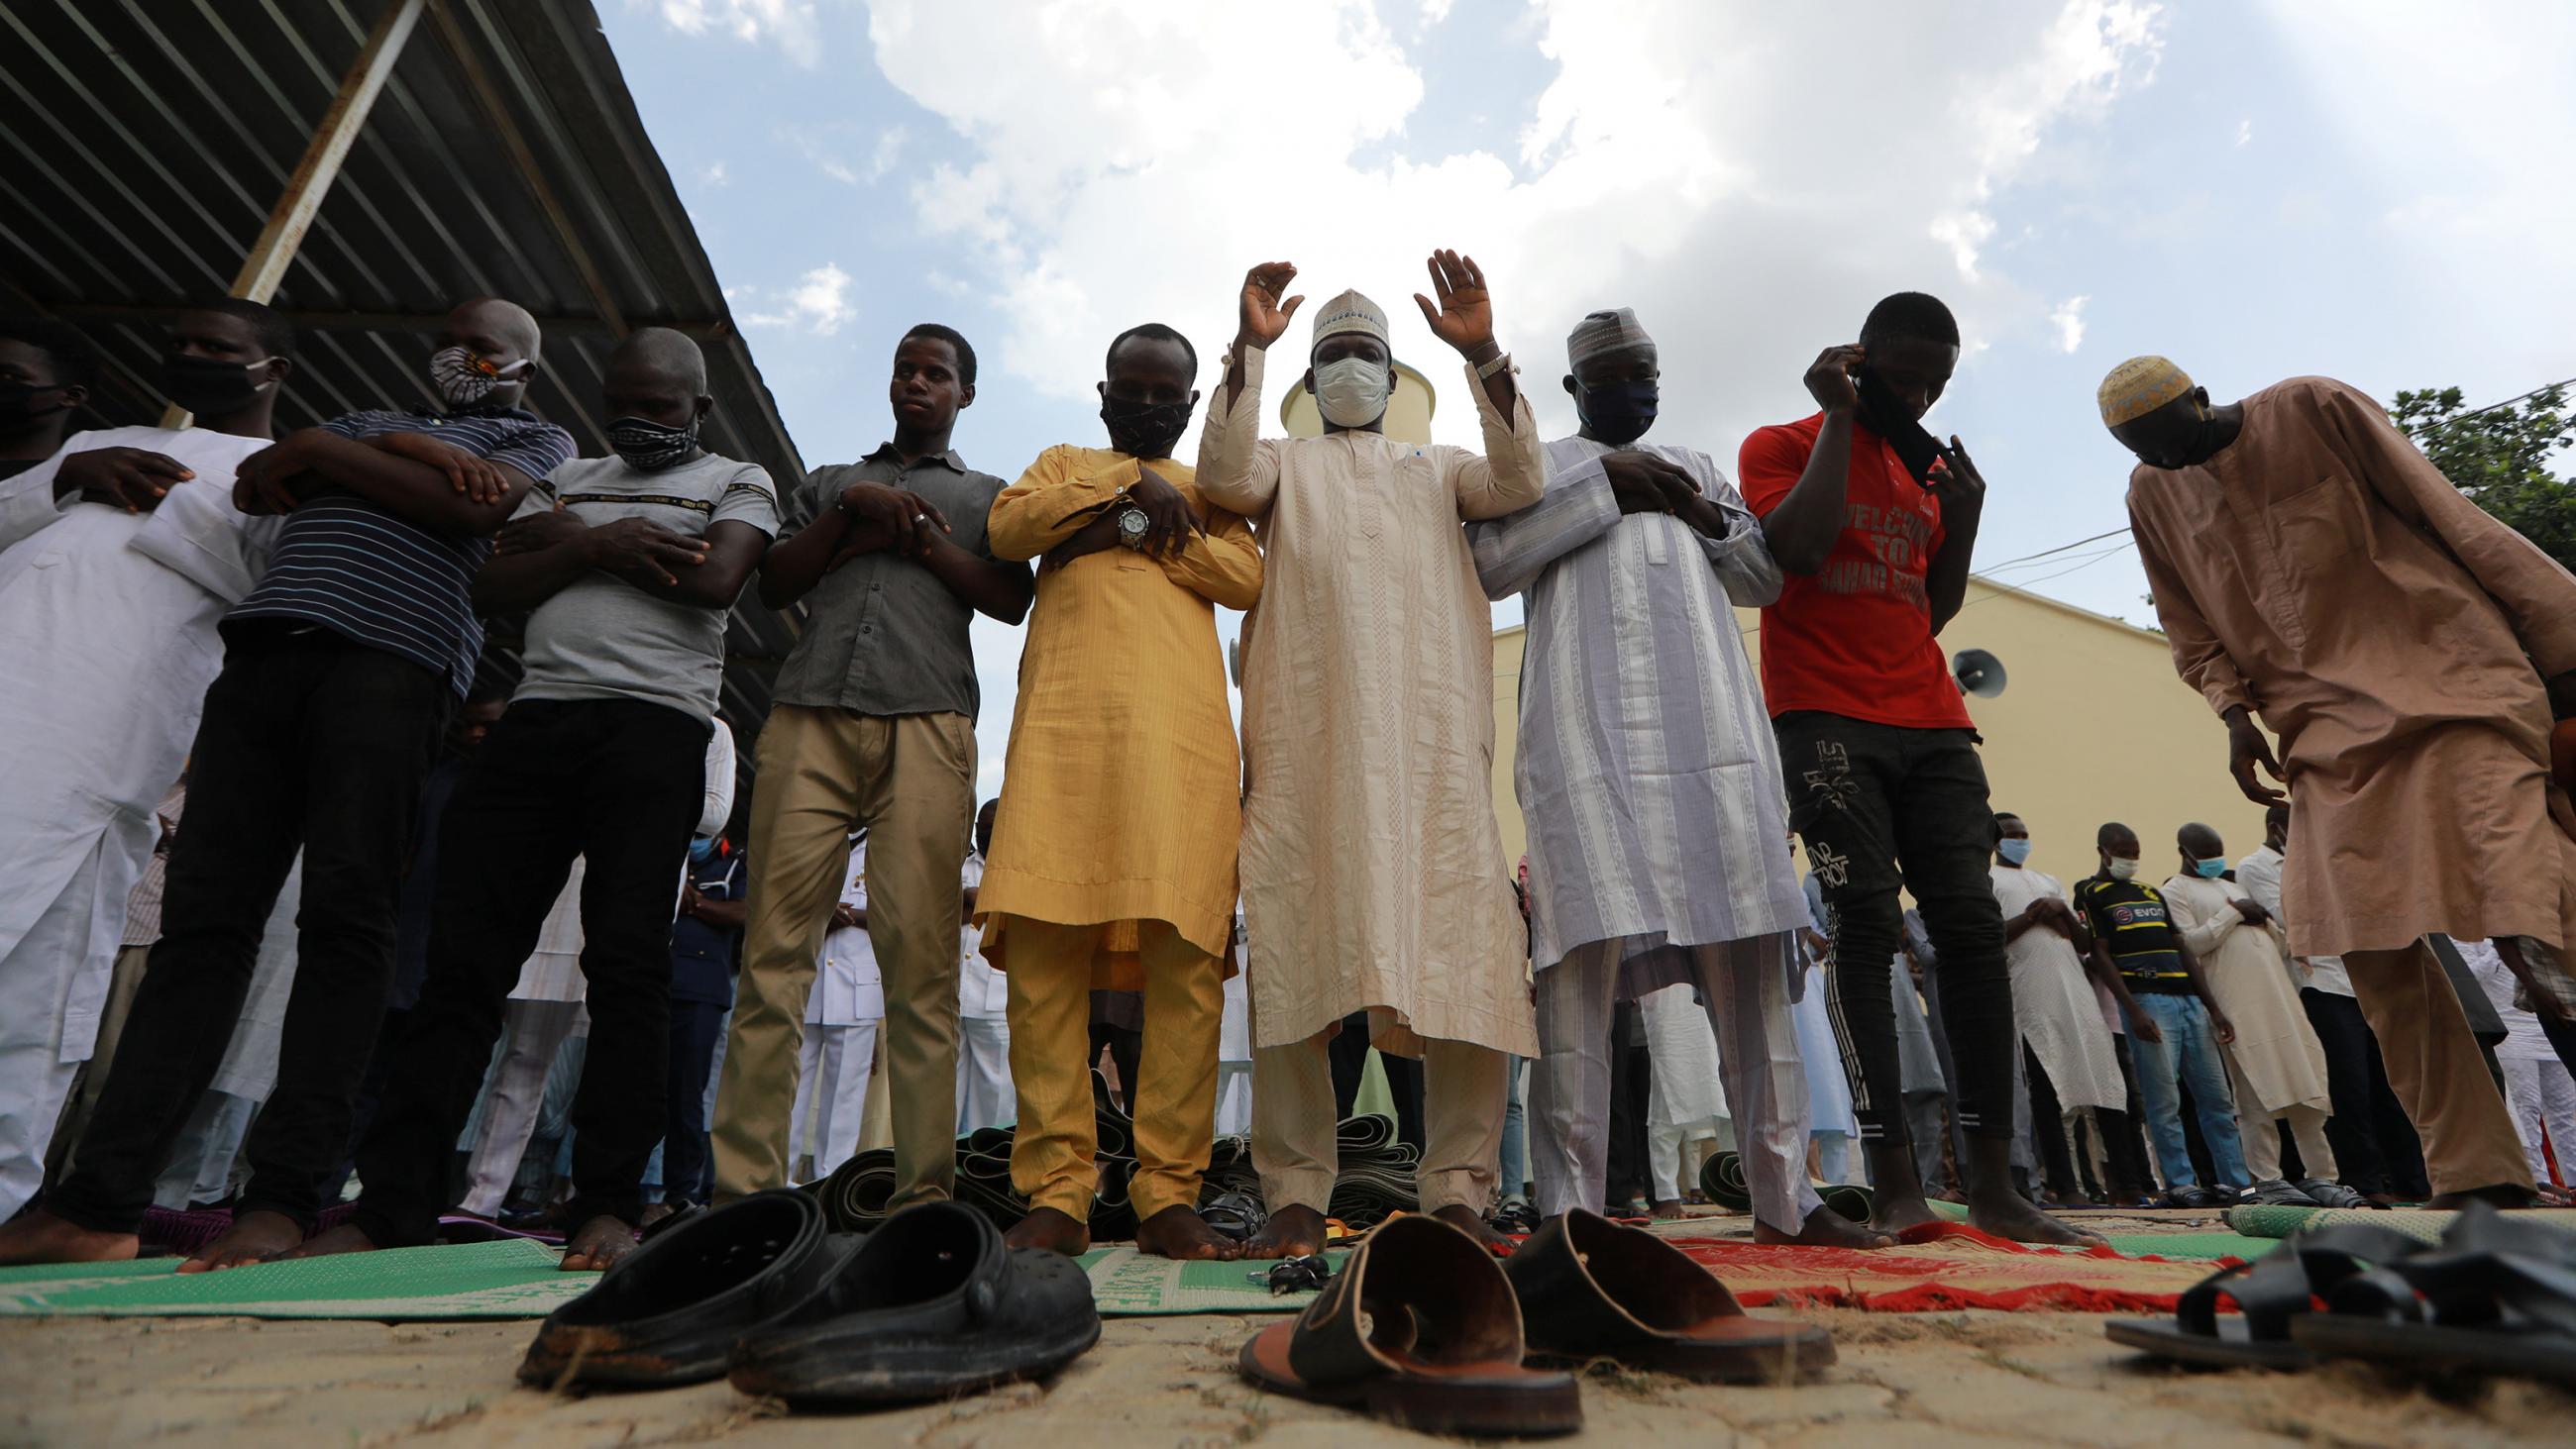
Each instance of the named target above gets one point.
<point>1856,638</point>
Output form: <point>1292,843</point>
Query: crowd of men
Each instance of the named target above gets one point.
<point>436,920</point>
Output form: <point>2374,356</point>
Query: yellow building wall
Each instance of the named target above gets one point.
<point>2092,726</point>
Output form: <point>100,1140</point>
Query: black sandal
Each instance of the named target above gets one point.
<point>2270,1294</point>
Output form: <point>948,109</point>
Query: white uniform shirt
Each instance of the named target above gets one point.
<point>847,989</point>
<point>2523,1039</point>
<point>2260,875</point>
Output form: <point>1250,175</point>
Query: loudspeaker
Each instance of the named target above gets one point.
<point>1978,673</point>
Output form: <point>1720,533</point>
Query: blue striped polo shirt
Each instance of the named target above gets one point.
<point>360,570</point>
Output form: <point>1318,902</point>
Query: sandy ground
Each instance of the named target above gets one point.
<point>1967,1378</point>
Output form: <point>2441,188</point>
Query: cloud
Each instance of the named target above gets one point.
<point>819,303</point>
<point>1128,160</point>
<point>830,146</point>
<point>790,25</point>
<point>712,174</point>
<point>2068,319</point>
<point>2244,133</point>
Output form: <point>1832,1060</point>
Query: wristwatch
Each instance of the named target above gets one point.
<point>1132,524</point>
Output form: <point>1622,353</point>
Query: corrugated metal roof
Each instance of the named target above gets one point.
<point>143,144</point>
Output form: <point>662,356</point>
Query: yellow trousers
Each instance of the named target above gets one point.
<point>1054,1149</point>
<point>910,779</point>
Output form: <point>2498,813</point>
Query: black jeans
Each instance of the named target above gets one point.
<point>2373,1153</point>
<point>309,741</point>
<point>2048,1128</point>
<point>1629,1175</point>
<point>696,1026</point>
<point>1884,808</point>
<point>619,783</point>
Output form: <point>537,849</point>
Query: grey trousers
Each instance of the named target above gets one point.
<point>1744,988</point>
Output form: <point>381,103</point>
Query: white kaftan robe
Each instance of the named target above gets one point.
<point>107,644</point>
<point>2053,1001</point>
<point>1373,869</point>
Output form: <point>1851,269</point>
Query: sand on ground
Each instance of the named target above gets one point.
<point>1918,1378</point>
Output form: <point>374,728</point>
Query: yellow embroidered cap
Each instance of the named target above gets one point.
<point>2138,387</point>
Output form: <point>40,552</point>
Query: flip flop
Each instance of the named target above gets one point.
<point>1590,1289</point>
<point>1233,1215</point>
<point>2497,1297</point>
<point>2270,1294</point>
<point>668,1312</point>
<point>1420,1329</point>
<point>927,1306</point>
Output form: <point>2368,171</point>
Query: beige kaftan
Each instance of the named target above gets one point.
<point>2395,636</point>
<point>2275,1050</point>
<point>1373,871</point>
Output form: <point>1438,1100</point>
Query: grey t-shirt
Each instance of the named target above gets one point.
<point>603,638</point>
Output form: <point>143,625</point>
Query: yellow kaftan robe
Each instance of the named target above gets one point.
<point>1120,796</point>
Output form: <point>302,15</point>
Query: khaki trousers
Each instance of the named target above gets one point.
<point>910,781</point>
<point>1294,1146</point>
<point>1054,1149</point>
<point>2262,1141</point>
<point>2436,1070</point>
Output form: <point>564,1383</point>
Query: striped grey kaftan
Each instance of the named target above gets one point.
<point>1647,770</point>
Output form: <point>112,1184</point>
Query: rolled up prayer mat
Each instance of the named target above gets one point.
<point>1722,1178</point>
<point>855,1195</point>
<point>1369,1132</point>
<point>1853,1202</point>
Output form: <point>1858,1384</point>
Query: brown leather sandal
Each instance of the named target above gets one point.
<point>1420,1329</point>
<point>1593,1289</point>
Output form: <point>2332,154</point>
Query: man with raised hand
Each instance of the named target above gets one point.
<point>1370,849</point>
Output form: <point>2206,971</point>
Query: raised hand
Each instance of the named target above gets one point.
<point>1261,317</point>
<point>1169,519</point>
<point>1829,378</point>
<point>1958,482</point>
<point>133,479</point>
<point>1464,317</point>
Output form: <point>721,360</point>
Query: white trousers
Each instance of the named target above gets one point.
<point>37,980</point>
<point>206,1165</point>
<point>1745,991</point>
<point>532,1034</point>
<point>1233,1098</point>
<point>831,1093</point>
<point>984,1094</point>
<point>2541,1096</point>
<point>2262,1140</point>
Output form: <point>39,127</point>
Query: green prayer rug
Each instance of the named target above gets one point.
<point>1128,1284</point>
<point>2190,1245</point>
<point>509,1279</point>
<point>2425,1225</point>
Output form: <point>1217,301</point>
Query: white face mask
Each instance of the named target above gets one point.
<point>1353,391</point>
<point>2123,869</point>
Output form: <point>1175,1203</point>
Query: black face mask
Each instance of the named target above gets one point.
<point>1618,413</point>
<point>18,404</point>
<point>208,384</point>
<point>1144,430</point>
<point>651,446</point>
<point>1916,448</point>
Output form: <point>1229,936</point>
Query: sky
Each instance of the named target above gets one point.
<point>2368,190</point>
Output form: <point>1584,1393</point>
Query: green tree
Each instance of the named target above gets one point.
<point>2501,458</point>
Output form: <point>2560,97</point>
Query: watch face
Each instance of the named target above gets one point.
<point>1132,525</point>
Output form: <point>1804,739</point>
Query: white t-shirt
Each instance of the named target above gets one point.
<point>2260,874</point>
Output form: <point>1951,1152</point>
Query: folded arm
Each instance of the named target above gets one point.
<point>316,459</point>
<point>1514,550</point>
<point>1222,564</point>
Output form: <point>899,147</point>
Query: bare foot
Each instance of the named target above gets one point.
<point>1666,1210</point>
<point>1292,1232</point>
<point>255,1237</point>
<point>2503,1195</point>
<point>1057,1232</point>
<point>346,1238</point>
<point>1894,1215</point>
<point>40,1237</point>
<point>602,1241</point>
<point>1179,1232</point>
<point>2008,1215</point>
<point>1825,1228</point>
<point>1471,1222</point>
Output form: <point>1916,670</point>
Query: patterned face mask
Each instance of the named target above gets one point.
<point>649,445</point>
<point>464,377</point>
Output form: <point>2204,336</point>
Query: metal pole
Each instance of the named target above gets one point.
<point>274,252</point>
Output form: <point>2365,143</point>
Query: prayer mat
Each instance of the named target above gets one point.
<point>2197,1247</point>
<point>1942,1267</point>
<point>1129,1284</point>
<point>512,1278</point>
<point>2425,1225</point>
